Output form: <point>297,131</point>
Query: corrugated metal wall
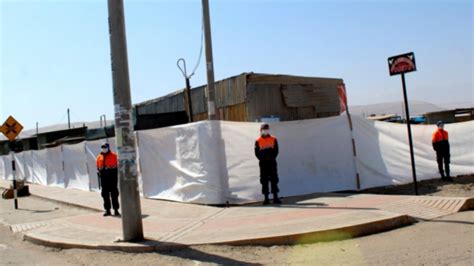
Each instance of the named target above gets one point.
<point>291,98</point>
<point>266,100</point>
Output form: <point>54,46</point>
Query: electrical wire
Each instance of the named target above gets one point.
<point>200,50</point>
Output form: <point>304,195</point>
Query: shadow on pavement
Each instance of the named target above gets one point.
<point>36,211</point>
<point>190,253</point>
<point>447,221</point>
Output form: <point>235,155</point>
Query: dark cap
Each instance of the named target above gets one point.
<point>105,145</point>
<point>264,126</point>
<point>439,123</point>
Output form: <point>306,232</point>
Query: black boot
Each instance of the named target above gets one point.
<point>266,201</point>
<point>107,213</point>
<point>443,177</point>
<point>448,177</point>
<point>116,212</point>
<point>276,200</point>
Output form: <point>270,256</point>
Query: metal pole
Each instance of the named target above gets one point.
<point>15,197</point>
<point>190,105</point>
<point>188,88</point>
<point>125,139</point>
<point>211,108</point>
<point>36,128</point>
<point>412,155</point>
<point>68,119</point>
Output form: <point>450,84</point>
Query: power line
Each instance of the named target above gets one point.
<point>200,49</point>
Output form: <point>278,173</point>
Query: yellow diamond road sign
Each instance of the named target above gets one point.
<point>11,128</point>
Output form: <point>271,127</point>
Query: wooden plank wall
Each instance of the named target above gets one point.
<point>231,91</point>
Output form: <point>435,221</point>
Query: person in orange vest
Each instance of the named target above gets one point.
<point>266,150</point>
<point>441,146</point>
<point>108,177</point>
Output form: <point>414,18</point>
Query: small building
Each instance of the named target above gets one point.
<point>386,118</point>
<point>251,97</point>
<point>450,116</point>
<point>55,135</point>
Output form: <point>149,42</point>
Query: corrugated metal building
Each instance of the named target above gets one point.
<point>251,97</point>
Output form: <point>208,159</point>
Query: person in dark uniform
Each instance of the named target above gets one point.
<point>108,177</point>
<point>266,150</point>
<point>441,146</point>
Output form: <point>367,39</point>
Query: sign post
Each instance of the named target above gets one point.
<point>11,129</point>
<point>401,64</point>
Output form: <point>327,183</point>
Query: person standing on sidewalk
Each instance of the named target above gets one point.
<point>108,178</point>
<point>266,150</point>
<point>441,146</point>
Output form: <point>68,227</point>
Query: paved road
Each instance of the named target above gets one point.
<point>449,240</point>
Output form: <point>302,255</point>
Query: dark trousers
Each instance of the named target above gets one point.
<point>110,192</point>
<point>269,174</point>
<point>443,156</point>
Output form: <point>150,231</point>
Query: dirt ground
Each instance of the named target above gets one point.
<point>448,240</point>
<point>463,186</point>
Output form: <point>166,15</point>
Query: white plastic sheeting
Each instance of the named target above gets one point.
<point>180,164</point>
<point>6,166</point>
<point>315,156</point>
<point>40,175</point>
<point>55,166</point>
<point>28,165</point>
<point>75,166</point>
<point>383,153</point>
<point>214,162</point>
<point>20,165</point>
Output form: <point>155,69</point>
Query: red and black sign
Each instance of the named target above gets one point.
<point>403,63</point>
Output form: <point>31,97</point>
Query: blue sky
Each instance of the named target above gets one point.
<point>55,54</point>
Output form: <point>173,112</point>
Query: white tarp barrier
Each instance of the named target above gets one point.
<point>214,162</point>
<point>75,166</point>
<point>55,166</point>
<point>29,165</point>
<point>315,156</point>
<point>40,174</point>
<point>6,167</point>
<point>2,169</point>
<point>383,153</point>
<point>19,166</point>
<point>177,162</point>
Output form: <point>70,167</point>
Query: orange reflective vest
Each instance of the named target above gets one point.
<point>107,161</point>
<point>266,143</point>
<point>439,135</point>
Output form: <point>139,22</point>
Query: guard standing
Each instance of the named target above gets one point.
<point>441,146</point>
<point>266,150</point>
<point>108,178</point>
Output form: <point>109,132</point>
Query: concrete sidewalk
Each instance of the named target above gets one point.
<point>317,217</point>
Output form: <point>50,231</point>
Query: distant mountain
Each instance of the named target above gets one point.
<point>416,108</point>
